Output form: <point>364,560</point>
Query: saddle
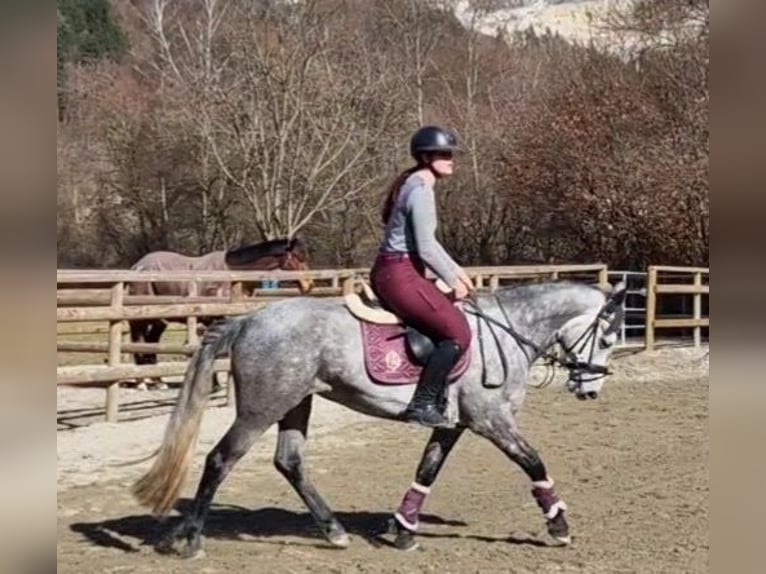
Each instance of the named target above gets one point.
<point>394,353</point>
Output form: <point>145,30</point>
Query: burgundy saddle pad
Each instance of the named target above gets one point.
<point>388,359</point>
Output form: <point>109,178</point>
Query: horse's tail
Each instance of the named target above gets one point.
<point>159,488</point>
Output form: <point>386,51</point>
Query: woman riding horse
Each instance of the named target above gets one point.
<point>398,275</point>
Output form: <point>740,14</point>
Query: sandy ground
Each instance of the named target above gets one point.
<point>632,466</point>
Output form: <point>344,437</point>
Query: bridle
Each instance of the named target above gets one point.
<point>580,371</point>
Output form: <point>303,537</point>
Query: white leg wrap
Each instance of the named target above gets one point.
<point>554,510</point>
<point>404,522</point>
<point>548,483</point>
<point>420,488</point>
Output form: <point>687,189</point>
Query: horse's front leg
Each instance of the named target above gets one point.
<point>406,518</point>
<point>501,430</point>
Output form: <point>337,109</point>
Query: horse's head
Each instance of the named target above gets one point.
<point>588,341</point>
<point>295,259</point>
<point>286,254</point>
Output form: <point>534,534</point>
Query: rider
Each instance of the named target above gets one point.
<point>398,274</point>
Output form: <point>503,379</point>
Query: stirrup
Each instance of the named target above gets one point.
<point>427,417</point>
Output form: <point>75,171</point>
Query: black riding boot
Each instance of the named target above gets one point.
<point>424,408</point>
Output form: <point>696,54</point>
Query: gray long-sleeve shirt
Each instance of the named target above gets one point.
<point>412,228</point>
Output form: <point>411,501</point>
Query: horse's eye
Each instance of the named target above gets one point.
<point>604,343</point>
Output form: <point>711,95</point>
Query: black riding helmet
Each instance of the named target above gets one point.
<point>430,139</point>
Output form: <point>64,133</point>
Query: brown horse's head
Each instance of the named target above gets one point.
<point>295,259</point>
<point>288,254</point>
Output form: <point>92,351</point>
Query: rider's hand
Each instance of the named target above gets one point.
<point>461,291</point>
<point>466,280</point>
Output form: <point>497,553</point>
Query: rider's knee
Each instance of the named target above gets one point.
<point>463,337</point>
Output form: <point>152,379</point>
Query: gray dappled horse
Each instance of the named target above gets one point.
<point>290,350</point>
<point>286,254</point>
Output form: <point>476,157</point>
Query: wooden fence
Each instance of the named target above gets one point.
<point>98,297</point>
<point>687,281</point>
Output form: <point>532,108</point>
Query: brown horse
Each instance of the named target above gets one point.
<point>285,254</point>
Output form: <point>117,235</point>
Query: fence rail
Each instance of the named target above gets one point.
<point>89,374</point>
<point>82,278</point>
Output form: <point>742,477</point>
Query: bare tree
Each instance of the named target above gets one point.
<point>412,29</point>
<point>473,73</point>
<point>287,110</point>
<point>183,64</point>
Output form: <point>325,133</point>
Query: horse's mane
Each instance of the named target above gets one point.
<point>528,292</point>
<point>547,286</point>
<point>273,248</point>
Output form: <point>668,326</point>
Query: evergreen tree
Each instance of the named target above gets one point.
<point>85,32</point>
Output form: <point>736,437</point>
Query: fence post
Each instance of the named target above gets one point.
<point>698,309</point>
<point>603,277</point>
<point>651,306</point>
<point>126,357</point>
<point>115,344</point>
<point>494,281</point>
<point>191,322</point>
<point>624,327</point>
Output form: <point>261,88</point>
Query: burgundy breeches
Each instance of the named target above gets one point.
<point>398,279</point>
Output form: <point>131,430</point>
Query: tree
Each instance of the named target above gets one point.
<point>288,112</point>
<point>615,160</point>
<point>238,120</point>
<point>85,32</point>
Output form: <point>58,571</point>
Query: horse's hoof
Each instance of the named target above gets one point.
<point>165,546</point>
<point>336,534</point>
<point>191,553</point>
<point>405,541</point>
<point>559,529</point>
<point>339,539</point>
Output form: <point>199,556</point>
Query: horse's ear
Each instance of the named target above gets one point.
<point>617,296</point>
<point>298,246</point>
<point>620,292</point>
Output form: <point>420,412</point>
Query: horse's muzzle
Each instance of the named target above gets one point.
<point>585,387</point>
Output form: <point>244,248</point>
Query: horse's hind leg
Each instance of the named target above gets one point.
<point>289,460</point>
<point>219,462</point>
<point>405,521</point>
<point>501,431</point>
<point>139,331</point>
<point>154,335</point>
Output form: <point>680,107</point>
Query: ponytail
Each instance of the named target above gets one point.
<point>393,193</point>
